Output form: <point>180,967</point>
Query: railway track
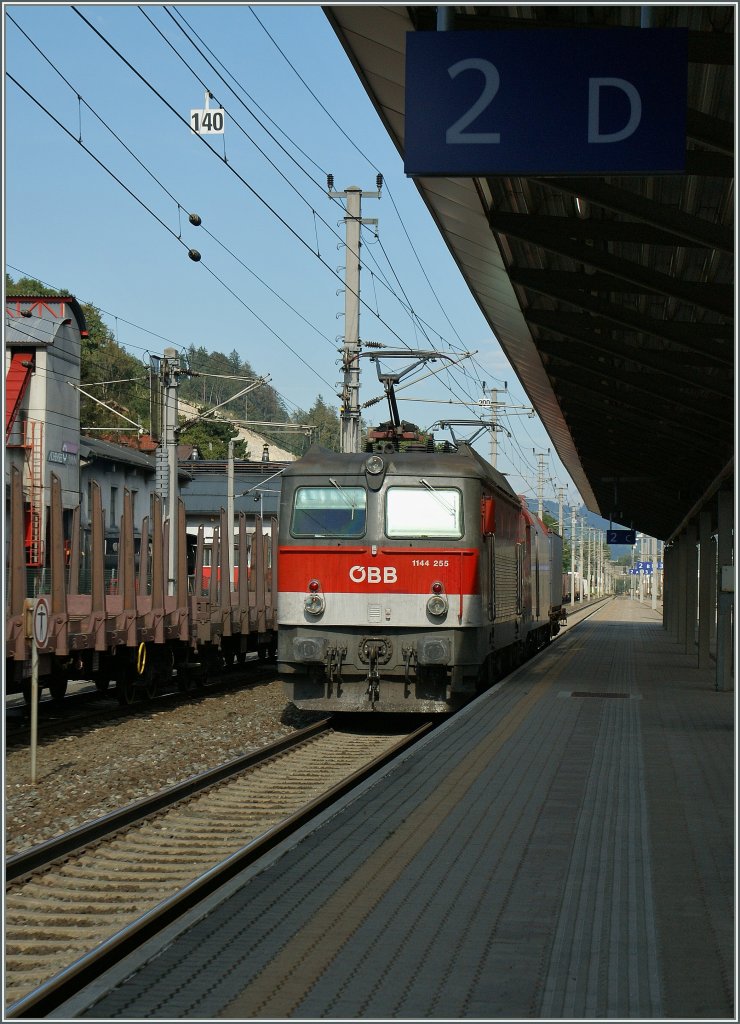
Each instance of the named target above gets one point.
<point>78,904</point>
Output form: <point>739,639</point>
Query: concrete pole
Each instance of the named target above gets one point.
<point>173,366</point>
<point>600,561</point>
<point>351,356</point>
<point>494,426</point>
<point>668,617</point>
<point>162,470</point>
<point>676,589</point>
<point>661,578</point>
<point>229,542</point>
<point>725,598</point>
<point>350,415</point>
<point>691,584</point>
<point>707,599</point>
<point>680,584</point>
<point>572,555</point>
<point>541,456</point>
<point>580,557</point>
<point>654,578</point>
<point>561,505</point>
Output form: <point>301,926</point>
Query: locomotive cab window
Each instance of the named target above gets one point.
<point>334,511</point>
<point>424,511</point>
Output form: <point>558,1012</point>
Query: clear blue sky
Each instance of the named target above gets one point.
<point>266,211</point>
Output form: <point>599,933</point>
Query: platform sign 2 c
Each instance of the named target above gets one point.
<point>621,536</point>
<point>546,101</point>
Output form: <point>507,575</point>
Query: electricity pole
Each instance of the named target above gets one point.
<point>494,426</point>
<point>561,505</point>
<point>572,555</point>
<point>494,405</point>
<point>171,370</point>
<point>350,412</point>
<point>580,554</point>
<point>541,456</point>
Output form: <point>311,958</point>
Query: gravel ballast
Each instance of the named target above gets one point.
<point>99,768</point>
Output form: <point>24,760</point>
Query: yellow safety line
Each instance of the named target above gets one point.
<point>283,983</point>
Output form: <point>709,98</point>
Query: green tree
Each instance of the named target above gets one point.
<point>211,438</point>
<point>212,385</point>
<point>112,375</point>
<point>29,286</point>
<point>115,377</point>
<point>325,421</point>
<point>101,359</point>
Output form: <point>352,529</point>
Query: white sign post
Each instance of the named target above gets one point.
<point>41,620</point>
<point>207,121</point>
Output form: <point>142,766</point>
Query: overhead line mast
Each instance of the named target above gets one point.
<point>350,395</point>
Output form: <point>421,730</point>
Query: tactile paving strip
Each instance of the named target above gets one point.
<point>517,865</point>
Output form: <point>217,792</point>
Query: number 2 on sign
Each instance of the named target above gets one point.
<point>456,134</point>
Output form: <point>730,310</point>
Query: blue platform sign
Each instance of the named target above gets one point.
<point>546,101</point>
<point>621,536</point>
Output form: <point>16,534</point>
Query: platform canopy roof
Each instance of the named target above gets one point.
<point>612,296</point>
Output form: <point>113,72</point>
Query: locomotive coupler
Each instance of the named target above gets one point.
<point>408,653</point>
<point>334,659</point>
<point>373,676</point>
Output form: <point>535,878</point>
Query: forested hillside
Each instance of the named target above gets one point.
<point>122,381</point>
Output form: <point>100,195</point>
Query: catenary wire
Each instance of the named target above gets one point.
<point>301,167</point>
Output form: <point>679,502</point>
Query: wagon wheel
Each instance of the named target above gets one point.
<point>213,665</point>
<point>150,686</point>
<point>153,666</point>
<point>126,690</point>
<point>57,689</point>
<point>187,681</point>
<point>145,677</point>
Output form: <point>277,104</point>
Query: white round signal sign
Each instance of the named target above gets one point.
<point>41,622</point>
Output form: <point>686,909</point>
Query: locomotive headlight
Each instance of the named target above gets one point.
<point>314,602</point>
<point>437,603</point>
<point>374,465</point>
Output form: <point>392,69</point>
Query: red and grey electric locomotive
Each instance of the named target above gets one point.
<point>408,580</point>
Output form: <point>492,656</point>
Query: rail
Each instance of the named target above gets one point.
<point>51,994</point>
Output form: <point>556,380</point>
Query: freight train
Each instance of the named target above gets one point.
<point>408,580</point>
<point>115,616</point>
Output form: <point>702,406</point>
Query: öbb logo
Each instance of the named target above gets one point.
<point>373,574</point>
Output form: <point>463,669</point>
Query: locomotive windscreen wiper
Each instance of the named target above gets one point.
<point>350,502</point>
<point>448,508</point>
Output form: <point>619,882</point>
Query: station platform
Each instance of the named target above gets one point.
<point>561,848</point>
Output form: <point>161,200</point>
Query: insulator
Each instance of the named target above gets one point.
<point>379,182</point>
<point>194,255</point>
<point>330,182</point>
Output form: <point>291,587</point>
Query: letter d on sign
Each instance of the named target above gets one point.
<point>594,87</point>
